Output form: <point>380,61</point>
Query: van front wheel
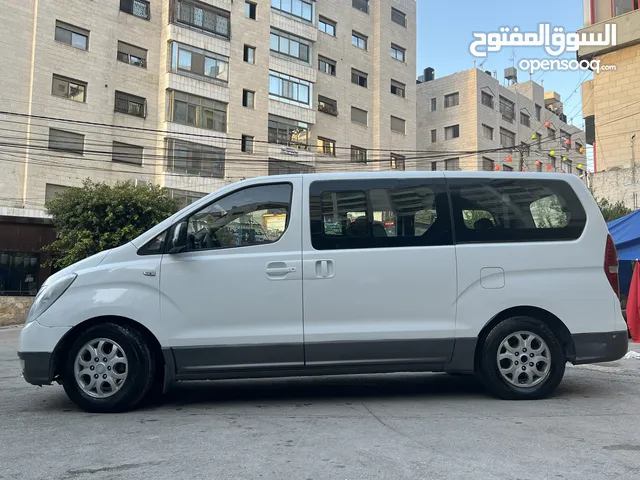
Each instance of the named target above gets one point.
<point>110,368</point>
<point>521,359</point>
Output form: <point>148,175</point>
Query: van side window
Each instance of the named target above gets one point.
<point>154,246</point>
<point>252,216</point>
<point>497,210</point>
<point>351,214</point>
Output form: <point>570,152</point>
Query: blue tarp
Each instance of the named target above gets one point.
<point>625,232</point>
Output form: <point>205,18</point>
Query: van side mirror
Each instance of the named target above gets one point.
<point>178,240</point>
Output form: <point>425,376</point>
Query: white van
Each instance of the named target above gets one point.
<point>508,276</point>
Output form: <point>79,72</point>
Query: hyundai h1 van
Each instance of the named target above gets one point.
<point>508,276</point>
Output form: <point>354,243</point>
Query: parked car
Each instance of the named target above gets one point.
<point>508,276</point>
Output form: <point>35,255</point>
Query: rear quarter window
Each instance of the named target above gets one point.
<point>497,210</point>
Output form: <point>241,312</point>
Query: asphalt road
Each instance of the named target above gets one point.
<point>396,427</point>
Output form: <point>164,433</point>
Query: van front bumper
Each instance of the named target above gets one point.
<point>599,347</point>
<point>36,367</point>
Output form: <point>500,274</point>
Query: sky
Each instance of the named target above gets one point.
<point>445,31</point>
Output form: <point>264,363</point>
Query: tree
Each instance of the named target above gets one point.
<point>611,211</point>
<point>97,217</point>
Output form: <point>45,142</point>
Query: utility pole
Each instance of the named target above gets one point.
<point>521,163</point>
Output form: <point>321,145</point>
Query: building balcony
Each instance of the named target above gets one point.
<point>627,34</point>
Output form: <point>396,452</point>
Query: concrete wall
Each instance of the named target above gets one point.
<point>618,185</point>
<point>13,310</point>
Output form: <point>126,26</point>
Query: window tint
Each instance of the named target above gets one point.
<point>496,210</point>
<point>379,214</point>
<point>252,216</point>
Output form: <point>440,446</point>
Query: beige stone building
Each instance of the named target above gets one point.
<point>194,94</point>
<point>610,100</point>
<point>472,111</point>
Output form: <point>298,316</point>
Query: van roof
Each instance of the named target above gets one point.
<point>434,174</point>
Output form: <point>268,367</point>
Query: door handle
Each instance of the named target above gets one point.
<point>324,268</point>
<point>278,269</point>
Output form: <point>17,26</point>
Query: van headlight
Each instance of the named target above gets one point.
<point>48,294</point>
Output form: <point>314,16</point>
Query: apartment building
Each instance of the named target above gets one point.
<point>610,100</point>
<point>473,118</point>
<point>192,95</point>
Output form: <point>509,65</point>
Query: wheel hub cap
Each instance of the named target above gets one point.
<point>101,368</point>
<point>524,359</point>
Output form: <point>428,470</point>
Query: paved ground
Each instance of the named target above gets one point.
<point>392,427</point>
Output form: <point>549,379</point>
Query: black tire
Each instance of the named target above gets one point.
<point>139,379</point>
<point>488,368</point>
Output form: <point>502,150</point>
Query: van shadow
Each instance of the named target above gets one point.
<point>322,389</point>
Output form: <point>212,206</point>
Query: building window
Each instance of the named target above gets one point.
<point>249,54</point>
<point>132,55</point>
<point>64,141</point>
<point>564,136</point>
<point>195,111</point>
<point>397,52</point>
<point>398,125</point>
<point>538,112</point>
<point>359,40</point>
<point>51,190</point>
<point>434,166</point>
<point>552,133</point>
<point>452,164</point>
<point>247,143</point>
<point>451,132</point>
<point>201,64</point>
<point>250,10</point>
<point>452,100</point>
<point>362,5</point>
<point>68,88</point>
<point>434,136</point>
<point>248,99</point>
<point>327,105</point>
<point>397,162</point>
<point>290,45</point>
<point>327,66</point>
<point>507,109</point>
<point>359,116</point>
<point>526,148</point>
<point>70,35</point>
<point>487,132</point>
<point>125,153</point>
<point>358,155</point>
<point>19,273</point>
<point>288,89</point>
<point>568,166</point>
<point>398,88</point>
<point>195,159</point>
<point>488,165</point>
<point>398,17</point>
<point>326,146</point>
<point>138,8</point>
<point>525,119</point>
<point>327,26</point>
<point>203,17</point>
<point>578,147</point>
<point>434,104</point>
<point>131,104</point>
<point>184,197</point>
<point>288,132</point>
<point>507,138</point>
<point>299,9</point>
<point>284,167</point>
<point>486,99</point>
<point>359,78</point>
<point>507,168</point>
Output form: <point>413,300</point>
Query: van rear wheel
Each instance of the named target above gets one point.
<point>110,368</point>
<point>521,359</point>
